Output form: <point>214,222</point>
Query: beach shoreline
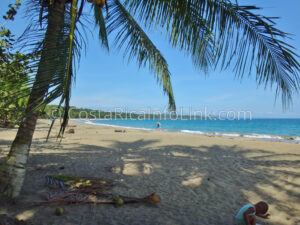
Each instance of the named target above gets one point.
<point>200,179</point>
<point>253,136</point>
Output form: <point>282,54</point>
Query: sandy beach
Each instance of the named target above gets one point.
<point>201,180</point>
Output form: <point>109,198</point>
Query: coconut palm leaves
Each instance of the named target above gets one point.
<point>247,40</point>
<point>62,53</point>
<point>139,45</point>
<point>242,39</point>
<point>69,72</point>
<point>101,23</point>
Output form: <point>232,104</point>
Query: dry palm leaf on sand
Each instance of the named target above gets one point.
<point>83,190</point>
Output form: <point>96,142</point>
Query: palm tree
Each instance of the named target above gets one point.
<point>212,32</point>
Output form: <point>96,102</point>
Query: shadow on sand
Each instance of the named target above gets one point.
<point>197,185</point>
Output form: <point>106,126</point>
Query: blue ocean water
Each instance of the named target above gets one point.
<point>261,128</point>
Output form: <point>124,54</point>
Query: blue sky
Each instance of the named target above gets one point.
<point>105,80</point>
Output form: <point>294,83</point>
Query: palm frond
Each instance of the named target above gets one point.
<point>240,37</point>
<point>69,72</point>
<point>246,39</point>
<point>100,22</point>
<point>182,25</point>
<point>61,82</point>
<point>58,68</point>
<point>139,45</point>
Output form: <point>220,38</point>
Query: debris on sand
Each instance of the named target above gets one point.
<point>84,190</point>
<point>120,131</point>
<point>70,131</point>
<point>6,220</point>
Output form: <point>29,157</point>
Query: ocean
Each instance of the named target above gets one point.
<point>287,130</point>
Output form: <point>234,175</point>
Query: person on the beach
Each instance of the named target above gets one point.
<point>158,125</point>
<point>247,214</point>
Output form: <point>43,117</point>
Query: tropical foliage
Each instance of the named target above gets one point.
<point>14,75</point>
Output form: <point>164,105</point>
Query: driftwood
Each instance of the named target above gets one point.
<point>120,131</point>
<point>70,131</point>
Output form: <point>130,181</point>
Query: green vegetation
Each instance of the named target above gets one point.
<point>51,112</point>
<point>14,76</point>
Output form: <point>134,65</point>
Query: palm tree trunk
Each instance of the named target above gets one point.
<point>12,172</point>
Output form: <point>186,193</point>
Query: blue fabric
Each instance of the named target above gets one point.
<point>240,215</point>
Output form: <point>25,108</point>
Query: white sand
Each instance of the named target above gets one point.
<point>201,180</point>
